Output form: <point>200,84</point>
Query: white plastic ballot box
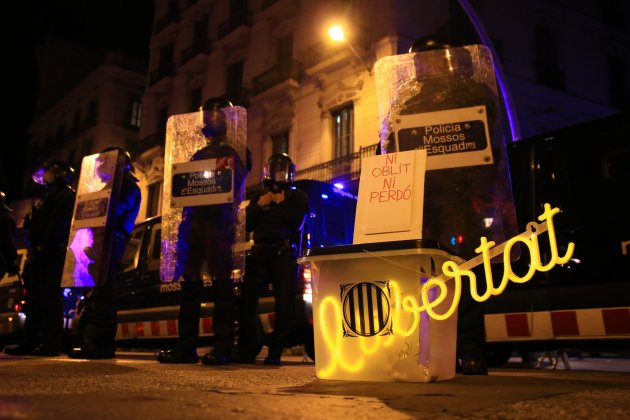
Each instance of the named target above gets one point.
<point>368,324</point>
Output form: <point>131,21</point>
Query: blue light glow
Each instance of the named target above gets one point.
<point>338,185</point>
<point>81,246</point>
<point>325,196</point>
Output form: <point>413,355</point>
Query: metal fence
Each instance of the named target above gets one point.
<point>345,168</point>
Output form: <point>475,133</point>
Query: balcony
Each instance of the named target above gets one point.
<point>162,72</point>
<point>150,141</point>
<point>239,96</point>
<point>344,169</point>
<point>171,17</point>
<point>199,46</point>
<point>276,75</point>
<point>234,22</point>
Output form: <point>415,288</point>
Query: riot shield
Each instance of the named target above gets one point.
<point>446,101</point>
<point>204,184</point>
<point>91,233</point>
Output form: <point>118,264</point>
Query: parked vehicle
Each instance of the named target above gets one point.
<point>584,304</point>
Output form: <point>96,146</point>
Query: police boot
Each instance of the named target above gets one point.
<point>187,325</point>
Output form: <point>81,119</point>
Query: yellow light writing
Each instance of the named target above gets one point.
<point>331,328</point>
<point>333,338</point>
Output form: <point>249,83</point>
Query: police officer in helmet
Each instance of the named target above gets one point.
<point>99,321</point>
<point>47,227</point>
<point>275,215</point>
<point>8,253</point>
<point>206,236</point>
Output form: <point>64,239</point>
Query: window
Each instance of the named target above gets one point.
<point>195,99</point>
<point>343,131</point>
<point>285,52</point>
<point>132,251</point>
<point>234,88</point>
<point>76,125</point>
<point>136,113</point>
<point>166,59</point>
<point>162,117</point>
<point>153,199</point>
<point>92,114</point>
<point>280,142</point>
<point>200,34</point>
<point>238,7</point>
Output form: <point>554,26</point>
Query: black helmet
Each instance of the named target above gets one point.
<point>439,63</point>
<point>279,169</point>
<point>63,173</point>
<point>128,164</point>
<point>429,42</point>
<point>216,103</point>
<point>3,202</point>
<point>214,123</point>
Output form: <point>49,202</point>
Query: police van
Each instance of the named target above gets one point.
<point>148,308</point>
<point>583,305</point>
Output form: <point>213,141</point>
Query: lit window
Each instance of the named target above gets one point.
<point>343,131</point>
<point>136,113</point>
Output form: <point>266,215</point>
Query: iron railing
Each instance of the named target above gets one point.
<point>343,169</point>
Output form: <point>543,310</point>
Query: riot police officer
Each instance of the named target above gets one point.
<point>275,215</point>
<point>8,253</point>
<point>98,320</point>
<point>455,197</point>
<point>47,227</point>
<point>206,235</point>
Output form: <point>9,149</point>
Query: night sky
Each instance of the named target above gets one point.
<point>121,25</point>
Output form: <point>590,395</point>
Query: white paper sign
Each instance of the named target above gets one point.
<point>391,193</point>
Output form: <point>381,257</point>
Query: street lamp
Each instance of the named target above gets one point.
<point>337,34</point>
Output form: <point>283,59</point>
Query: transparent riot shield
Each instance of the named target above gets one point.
<point>91,234</point>
<point>204,184</point>
<point>445,101</point>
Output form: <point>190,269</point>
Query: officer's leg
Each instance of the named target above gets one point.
<point>187,324</point>
<point>52,309</point>
<point>284,285</point>
<point>470,330</point>
<point>248,340</point>
<point>190,256</point>
<point>97,336</point>
<point>223,320</point>
<point>189,313</point>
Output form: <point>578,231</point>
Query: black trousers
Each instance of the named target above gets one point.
<point>99,319</point>
<point>44,308</point>
<point>277,264</point>
<point>471,340</point>
<point>222,318</point>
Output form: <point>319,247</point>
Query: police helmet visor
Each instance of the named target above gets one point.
<point>279,171</point>
<point>50,172</point>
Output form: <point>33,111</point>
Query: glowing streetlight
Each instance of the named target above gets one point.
<point>337,34</point>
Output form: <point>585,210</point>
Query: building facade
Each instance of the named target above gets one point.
<point>561,63</point>
<point>316,100</point>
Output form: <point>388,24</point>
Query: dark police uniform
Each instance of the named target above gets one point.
<point>99,318</point>
<point>276,228</point>
<point>47,228</point>
<point>8,254</point>
<point>205,238</point>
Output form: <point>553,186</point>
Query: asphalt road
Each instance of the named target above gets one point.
<point>134,386</point>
